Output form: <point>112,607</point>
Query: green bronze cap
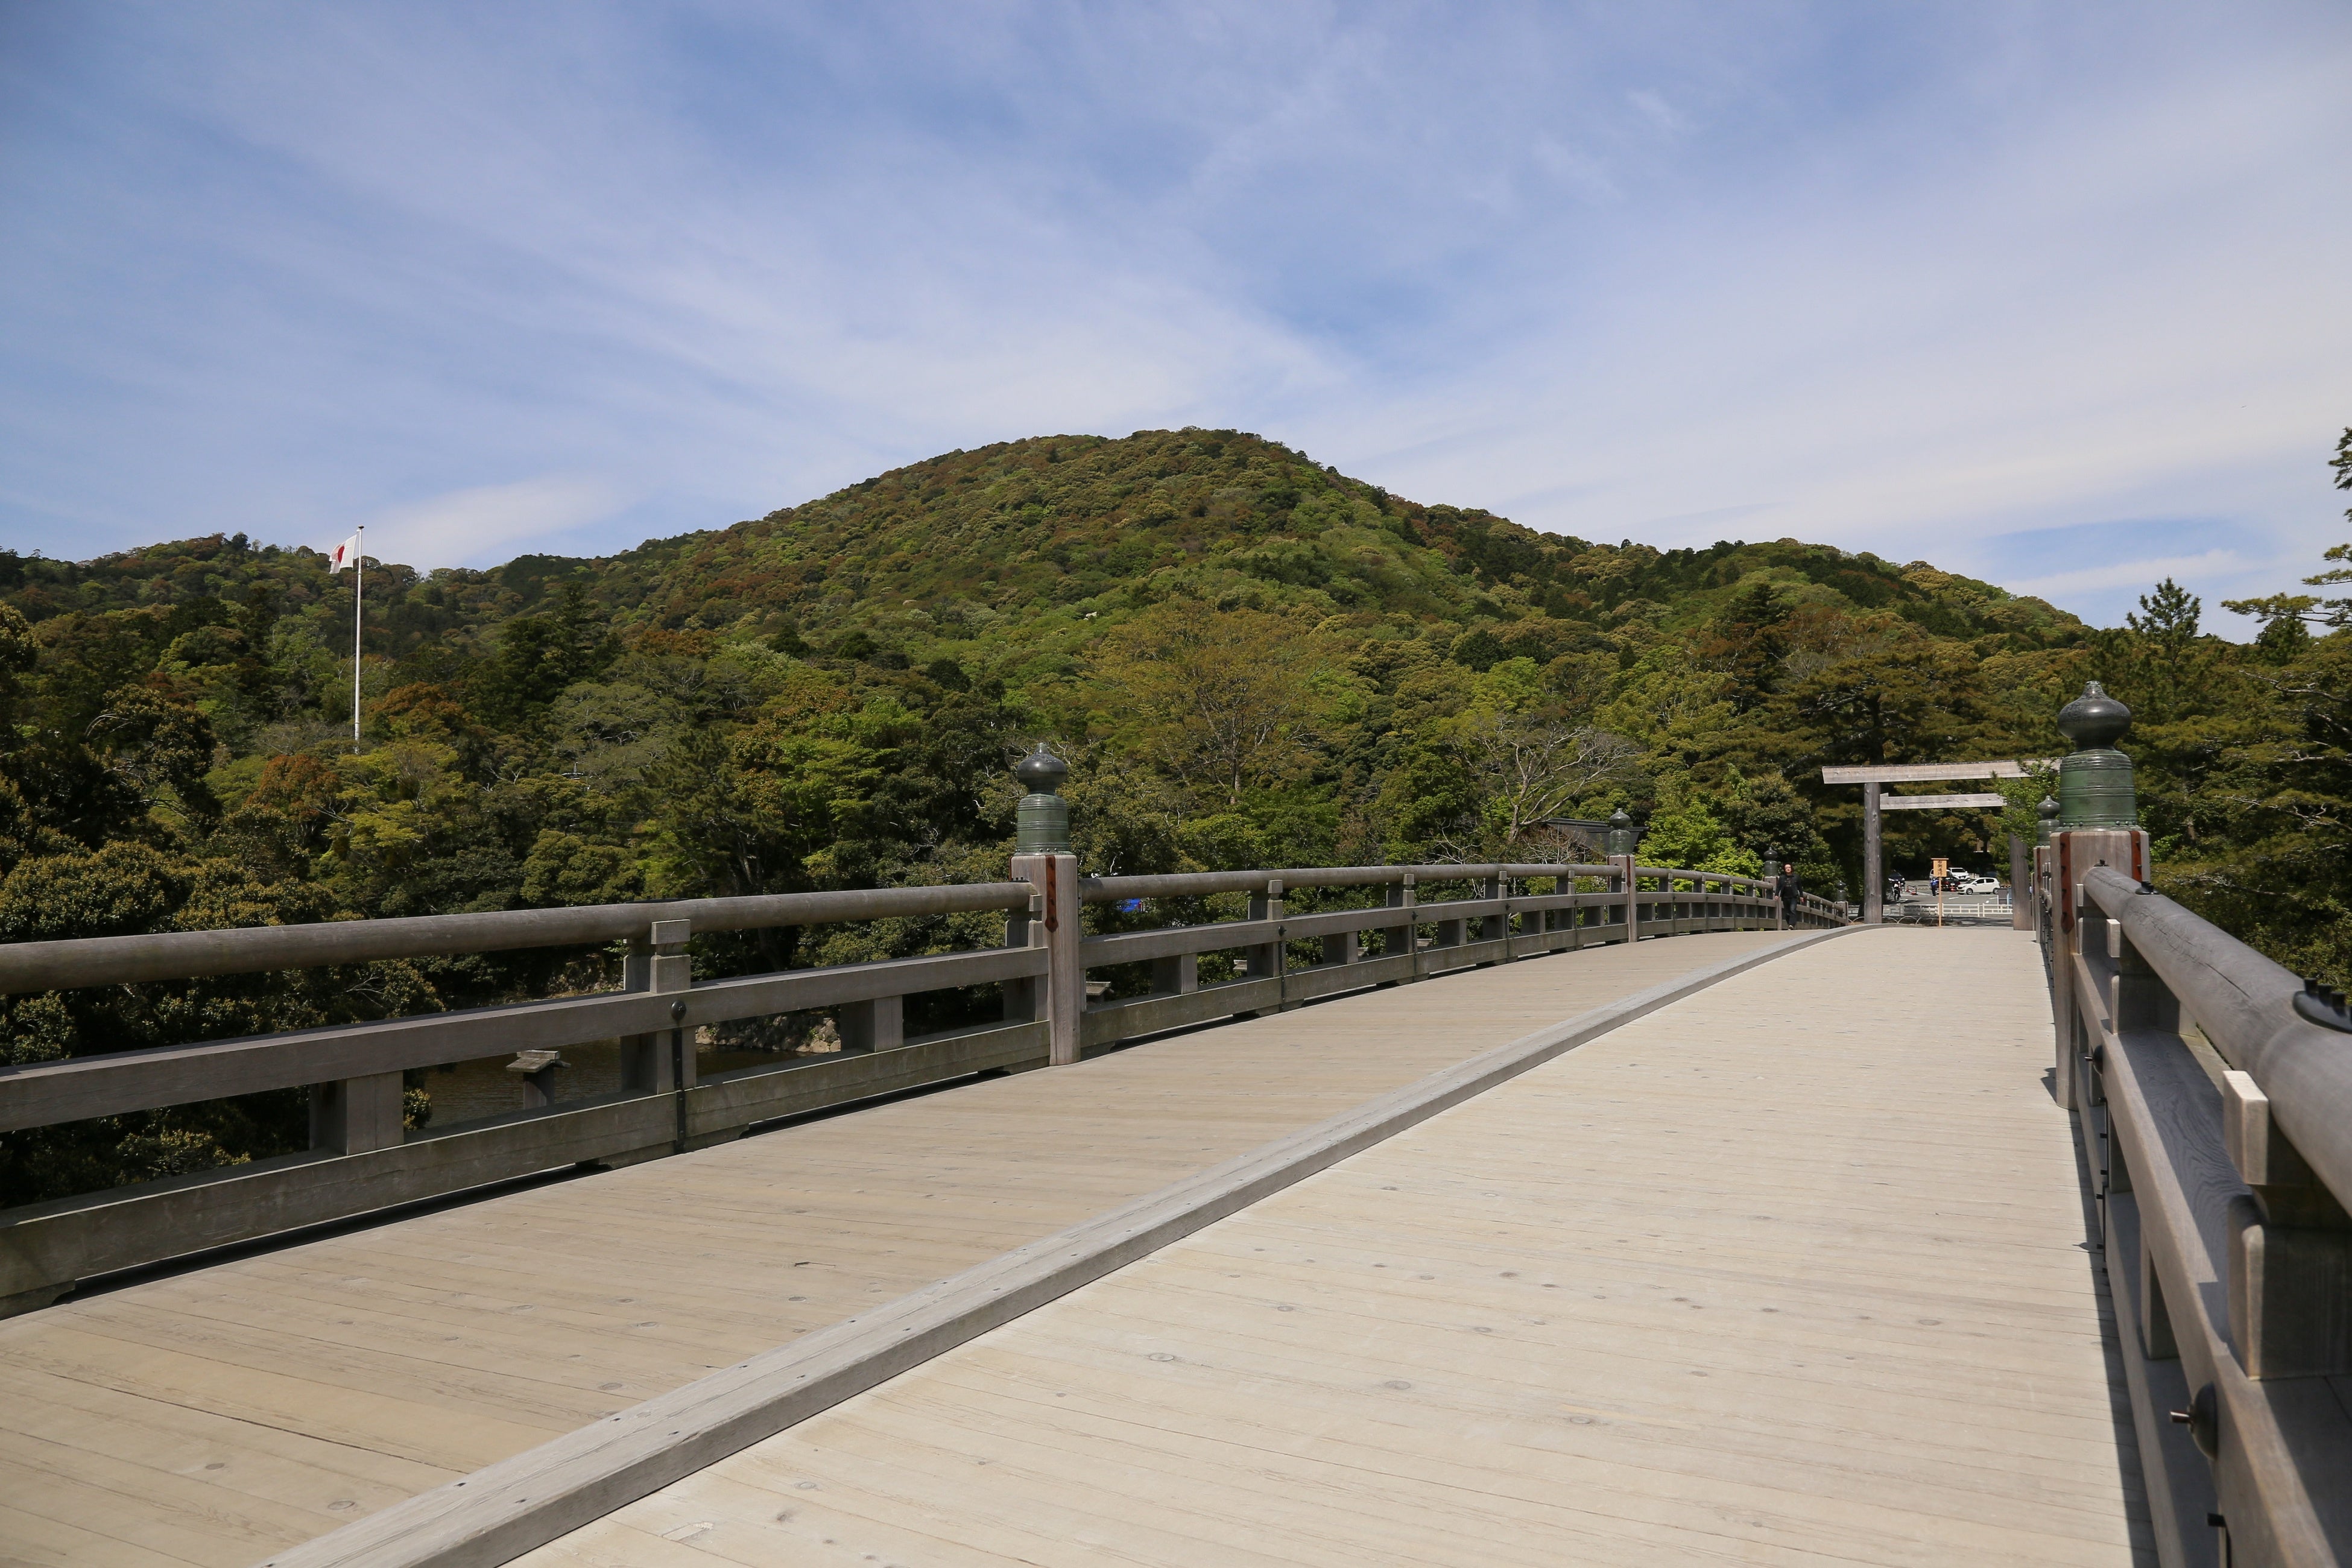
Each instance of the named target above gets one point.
<point>2094,780</point>
<point>2093,720</point>
<point>1042,770</point>
<point>2047,810</point>
<point>1622,837</point>
<point>1042,820</point>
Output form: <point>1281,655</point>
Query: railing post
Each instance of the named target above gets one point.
<point>1402,939</point>
<point>875,1024</point>
<point>1266,960</point>
<point>1627,883</point>
<point>2020,905</point>
<point>656,961</point>
<point>673,970</point>
<point>1178,974</point>
<point>1495,928</point>
<point>2065,944</point>
<point>1024,999</point>
<point>2095,797</point>
<point>1447,933</point>
<point>1042,858</point>
<point>355,1115</point>
<point>1055,877</point>
<point>2289,1249</point>
<point>2038,864</point>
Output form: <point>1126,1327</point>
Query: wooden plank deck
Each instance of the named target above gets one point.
<point>1790,1271</point>
<point>214,1417</point>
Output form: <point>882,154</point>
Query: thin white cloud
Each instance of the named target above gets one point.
<point>1930,276</point>
<point>485,523</point>
<point>1658,112</point>
<point>2131,574</point>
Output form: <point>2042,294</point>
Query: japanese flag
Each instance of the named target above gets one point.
<point>347,554</point>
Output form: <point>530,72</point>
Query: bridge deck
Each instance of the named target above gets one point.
<point>1791,1271</point>
<point>216,1416</point>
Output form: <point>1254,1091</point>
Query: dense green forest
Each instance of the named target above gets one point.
<point>1248,659</point>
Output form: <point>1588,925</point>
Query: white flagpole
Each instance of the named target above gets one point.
<point>359,587</point>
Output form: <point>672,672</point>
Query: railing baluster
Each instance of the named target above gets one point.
<point>355,1115</point>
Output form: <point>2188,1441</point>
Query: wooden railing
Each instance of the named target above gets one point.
<point>363,1159</point>
<point>2216,1117</point>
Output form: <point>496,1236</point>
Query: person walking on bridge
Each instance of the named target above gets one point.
<point>1789,887</point>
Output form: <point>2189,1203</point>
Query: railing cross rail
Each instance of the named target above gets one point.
<point>1289,950</point>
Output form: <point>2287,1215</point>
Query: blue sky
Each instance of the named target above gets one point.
<point>2055,294</point>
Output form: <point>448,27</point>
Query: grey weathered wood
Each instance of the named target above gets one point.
<point>355,1070</point>
<point>878,1025</point>
<point>1332,980</point>
<point>2181,1494</point>
<point>1204,884</point>
<point>1927,772</point>
<point>2193,1213</point>
<point>1151,1015</point>
<point>499,1512</point>
<point>356,1114</point>
<point>1266,960</point>
<point>731,1102</point>
<point>1874,863</point>
<point>45,1093</point>
<point>2021,885</point>
<point>1131,947</point>
<point>2244,1003</point>
<point>173,955</point>
<point>1939,801</point>
<point>1053,881</point>
<point>1178,974</point>
<point>46,1246</point>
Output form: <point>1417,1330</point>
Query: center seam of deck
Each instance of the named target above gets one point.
<point>1741,1282</point>
<point>507,1508</point>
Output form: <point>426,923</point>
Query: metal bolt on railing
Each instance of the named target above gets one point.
<point>2323,1005</point>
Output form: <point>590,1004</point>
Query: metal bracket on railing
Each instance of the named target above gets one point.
<point>2324,1005</point>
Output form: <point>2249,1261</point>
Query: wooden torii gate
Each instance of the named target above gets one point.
<point>1873,778</point>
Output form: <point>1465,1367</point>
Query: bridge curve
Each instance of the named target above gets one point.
<point>1751,1279</point>
<point>231,1414</point>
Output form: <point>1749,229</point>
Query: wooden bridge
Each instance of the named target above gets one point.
<point>1368,1227</point>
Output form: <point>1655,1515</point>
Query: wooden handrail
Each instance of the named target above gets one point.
<point>245,950</point>
<point>2244,1003</point>
<point>2223,1235</point>
<point>361,1157</point>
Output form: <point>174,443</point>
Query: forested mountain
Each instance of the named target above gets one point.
<point>1248,659</point>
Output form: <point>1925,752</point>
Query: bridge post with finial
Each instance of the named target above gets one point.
<point>1622,837</point>
<point>2094,780</point>
<point>1042,857</point>
<point>2031,896</point>
<point>2097,824</point>
<point>1623,842</point>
